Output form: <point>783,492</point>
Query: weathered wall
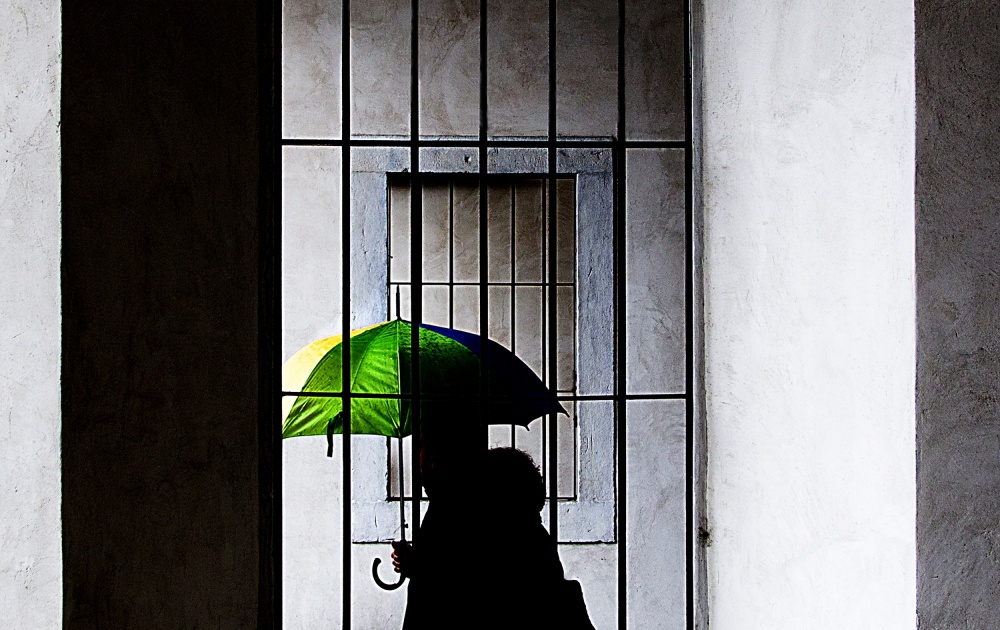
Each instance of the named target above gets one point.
<point>517,82</point>
<point>159,296</point>
<point>143,533</point>
<point>30,553</point>
<point>958,313</point>
<point>809,300</point>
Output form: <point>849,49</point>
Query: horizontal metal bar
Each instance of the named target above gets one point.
<point>560,397</point>
<point>471,143</point>
<point>654,144</point>
<point>561,498</point>
<point>670,396</point>
<point>445,283</point>
<point>438,177</point>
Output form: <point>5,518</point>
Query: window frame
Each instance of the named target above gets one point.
<point>590,517</point>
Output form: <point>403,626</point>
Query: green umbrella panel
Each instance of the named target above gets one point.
<point>380,364</point>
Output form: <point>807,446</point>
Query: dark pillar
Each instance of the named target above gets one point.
<point>958,313</point>
<point>160,158</point>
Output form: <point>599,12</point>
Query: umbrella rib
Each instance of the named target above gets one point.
<point>399,390</point>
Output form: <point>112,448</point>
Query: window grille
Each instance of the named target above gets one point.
<point>417,155</point>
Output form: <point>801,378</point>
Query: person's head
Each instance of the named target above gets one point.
<point>514,481</point>
<point>451,448</point>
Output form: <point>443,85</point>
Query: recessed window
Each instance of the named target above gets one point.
<point>519,258</point>
<point>519,281</point>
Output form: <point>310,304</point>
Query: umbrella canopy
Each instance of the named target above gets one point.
<point>381,360</point>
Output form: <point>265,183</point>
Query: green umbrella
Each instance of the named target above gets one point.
<point>450,363</point>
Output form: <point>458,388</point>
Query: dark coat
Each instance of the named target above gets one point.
<point>509,576</point>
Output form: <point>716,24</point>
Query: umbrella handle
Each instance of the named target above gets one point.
<point>378,580</point>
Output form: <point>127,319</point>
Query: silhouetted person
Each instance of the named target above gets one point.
<point>484,560</point>
<point>523,573</point>
<point>441,565</point>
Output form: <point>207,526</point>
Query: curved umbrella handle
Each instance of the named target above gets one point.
<point>378,580</point>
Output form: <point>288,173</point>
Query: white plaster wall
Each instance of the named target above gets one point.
<point>808,140</point>
<point>30,535</point>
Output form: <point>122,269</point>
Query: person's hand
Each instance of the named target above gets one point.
<point>402,558</point>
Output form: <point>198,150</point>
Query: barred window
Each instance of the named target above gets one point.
<point>518,285</point>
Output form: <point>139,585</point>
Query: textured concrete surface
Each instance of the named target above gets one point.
<point>808,151</point>
<point>654,523</point>
<point>517,80</point>
<point>655,260</point>
<point>310,68</point>
<point>159,295</point>
<point>958,311</point>
<point>30,539</point>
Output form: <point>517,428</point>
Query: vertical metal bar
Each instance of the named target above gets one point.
<point>388,265</point>
<point>620,406</point>
<point>689,427</point>
<point>345,214</point>
<point>483,92</point>
<point>416,263</point>
<point>553,294</point>
<point>513,285</point>
<point>269,316</point>
<point>484,316</point>
<point>451,252</point>
<point>544,324</point>
<point>402,501</point>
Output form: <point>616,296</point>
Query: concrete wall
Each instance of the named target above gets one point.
<point>518,68</point>
<point>958,310</point>
<point>159,295</point>
<point>30,539</point>
<point>806,118</point>
<point>808,147</point>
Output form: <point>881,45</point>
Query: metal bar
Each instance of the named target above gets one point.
<point>388,259</point>
<point>620,406</point>
<point>402,502</point>
<point>473,397</point>
<point>689,427</point>
<point>484,316</point>
<point>472,143</point>
<point>451,253</point>
<point>428,283</point>
<point>513,286</point>
<point>553,293</point>
<point>416,265</point>
<point>543,320</point>
<point>653,144</point>
<point>346,306</point>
